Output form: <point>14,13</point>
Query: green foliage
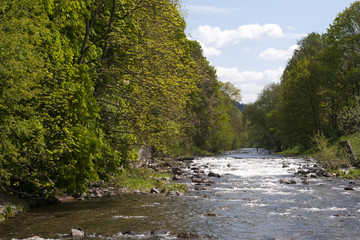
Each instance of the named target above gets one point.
<point>292,151</point>
<point>84,83</point>
<point>145,179</point>
<point>261,121</point>
<point>355,143</point>
<point>319,92</point>
<point>329,155</point>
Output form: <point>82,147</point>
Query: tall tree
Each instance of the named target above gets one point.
<point>299,109</point>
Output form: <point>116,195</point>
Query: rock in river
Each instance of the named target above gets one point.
<point>77,233</point>
<point>188,235</point>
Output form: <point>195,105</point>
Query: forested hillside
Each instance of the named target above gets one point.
<point>319,93</point>
<point>84,84</point>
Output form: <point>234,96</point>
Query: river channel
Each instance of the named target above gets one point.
<point>247,202</point>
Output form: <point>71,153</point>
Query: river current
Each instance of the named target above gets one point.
<point>247,202</point>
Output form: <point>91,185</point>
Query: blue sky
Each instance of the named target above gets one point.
<point>250,41</point>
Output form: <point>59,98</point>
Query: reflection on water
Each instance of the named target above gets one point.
<point>248,202</point>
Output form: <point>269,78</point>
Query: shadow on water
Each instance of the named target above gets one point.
<point>247,202</point>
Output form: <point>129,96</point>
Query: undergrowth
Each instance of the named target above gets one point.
<point>144,179</point>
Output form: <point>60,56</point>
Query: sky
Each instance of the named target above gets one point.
<point>249,42</point>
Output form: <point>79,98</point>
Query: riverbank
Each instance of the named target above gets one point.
<point>150,179</point>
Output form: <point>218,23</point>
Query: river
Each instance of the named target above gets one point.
<point>247,202</point>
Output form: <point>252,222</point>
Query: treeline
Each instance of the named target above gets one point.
<point>319,91</point>
<point>84,84</point>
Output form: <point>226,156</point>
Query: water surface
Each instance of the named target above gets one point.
<point>248,202</point>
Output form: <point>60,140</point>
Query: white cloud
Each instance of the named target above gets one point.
<point>219,38</point>
<point>206,9</point>
<point>278,54</point>
<point>290,28</point>
<point>209,51</point>
<point>251,83</point>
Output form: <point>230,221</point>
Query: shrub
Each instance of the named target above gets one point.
<point>329,155</point>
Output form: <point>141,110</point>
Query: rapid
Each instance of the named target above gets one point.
<point>250,200</point>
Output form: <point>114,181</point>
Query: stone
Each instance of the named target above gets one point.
<point>145,156</point>
<point>177,171</point>
<point>305,182</point>
<point>188,235</point>
<point>284,181</point>
<point>77,233</point>
<point>199,171</point>
<point>154,190</point>
<point>211,215</point>
<point>327,174</point>
<point>207,181</point>
<point>311,175</point>
<point>212,174</point>
<point>196,180</point>
<point>171,193</point>
<point>179,177</point>
<point>349,188</point>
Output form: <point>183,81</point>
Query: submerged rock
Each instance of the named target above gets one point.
<point>188,235</point>
<point>284,181</point>
<point>212,174</point>
<point>305,182</point>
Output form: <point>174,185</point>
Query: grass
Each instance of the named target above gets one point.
<point>350,174</point>
<point>144,179</point>
<point>292,151</point>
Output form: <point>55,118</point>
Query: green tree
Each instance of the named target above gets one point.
<point>299,111</point>
<point>260,117</point>
<point>341,61</point>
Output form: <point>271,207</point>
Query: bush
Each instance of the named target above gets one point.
<point>328,155</point>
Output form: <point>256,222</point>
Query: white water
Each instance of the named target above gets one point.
<point>247,202</point>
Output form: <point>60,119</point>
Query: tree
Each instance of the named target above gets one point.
<point>341,60</point>
<point>261,121</point>
<point>299,110</point>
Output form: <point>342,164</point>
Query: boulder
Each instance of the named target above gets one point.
<point>212,174</point>
<point>349,188</point>
<point>207,181</point>
<point>145,156</point>
<point>77,233</point>
<point>196,180</point>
